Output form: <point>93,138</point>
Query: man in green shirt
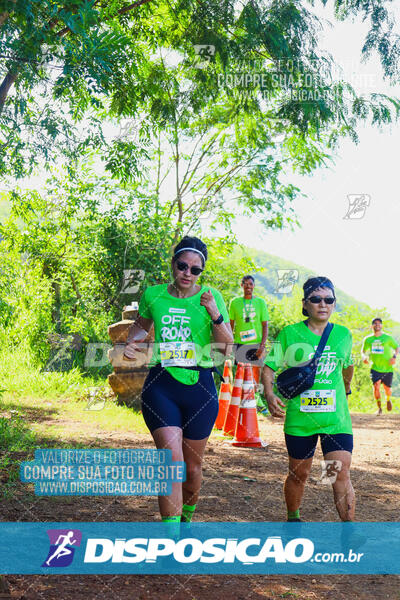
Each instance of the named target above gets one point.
<point>380,347</point>
<point>248,316</point>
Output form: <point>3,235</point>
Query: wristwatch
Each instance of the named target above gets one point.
<point>218,320</point>
<point>348,393</point>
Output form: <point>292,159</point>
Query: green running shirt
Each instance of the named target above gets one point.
<point>380,349</point>
<point>295,344</point>
<point>183,320</point>
<point>256,310</point>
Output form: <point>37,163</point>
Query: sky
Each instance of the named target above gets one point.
<point>359,255</point>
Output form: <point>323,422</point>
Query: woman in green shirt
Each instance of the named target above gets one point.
<point>321,411</point>
<point>179,398</point>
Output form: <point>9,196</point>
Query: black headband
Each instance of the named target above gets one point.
<point>313,284</point>
<point>316,282</point>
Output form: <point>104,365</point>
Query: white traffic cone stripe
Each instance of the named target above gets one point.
<point>235,399</point>
<point>248,403</point>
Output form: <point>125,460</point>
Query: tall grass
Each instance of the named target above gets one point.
<point>22,375</point>
<point>25,386</point>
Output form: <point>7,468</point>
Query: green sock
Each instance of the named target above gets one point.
<point>171,519</point>
<point>187,512</point>
<point>293,514</point>
<point>172,526</point>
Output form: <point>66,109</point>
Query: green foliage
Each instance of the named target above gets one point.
<point>381,37</point>
<point>15,435</point>
<point>226,266</point>
<point>63,259</point>
<point>65,65</point>
<point>284,312</point>
<point>209,140</point>
<point>4,208</point>
<point>63,256</point>
<point>25,301</point>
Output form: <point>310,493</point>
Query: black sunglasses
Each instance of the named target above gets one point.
<point>318,299</point>
<point>182,266</point>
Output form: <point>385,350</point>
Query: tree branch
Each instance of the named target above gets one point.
<point>11,76</point>
<point>192,156</point>
<point>5,86</point>
<point>77,294</point>
<point>3,18</point>
<point>126,9</point>
<point>206,149</point>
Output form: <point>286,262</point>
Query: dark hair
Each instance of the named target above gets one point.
<point>376,319</point>
<point>246,277</point>
<point>194,244</point>
<point>313,283</point>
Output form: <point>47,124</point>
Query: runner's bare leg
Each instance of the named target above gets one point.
<point>343,492</point>
<point>388,392</point>
<point>193,452</point>
<point>299,470</point>
<point>377,395</point>
<point>170,438</point>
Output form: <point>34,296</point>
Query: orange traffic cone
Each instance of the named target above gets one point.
<point>233,409</point>
<point>225,392</point>
<point>247,434</point>
<point>230,374</point>
<point>256,374</point>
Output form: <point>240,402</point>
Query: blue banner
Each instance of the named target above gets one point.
<point>197,548</point>
<point>103,472</point>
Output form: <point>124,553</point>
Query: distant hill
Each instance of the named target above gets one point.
<point>269,282</point>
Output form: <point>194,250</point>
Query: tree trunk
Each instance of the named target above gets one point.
<point>3,18</point>
<point>56,310</point>
<point>8,81</point>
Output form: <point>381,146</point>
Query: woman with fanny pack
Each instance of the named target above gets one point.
<point>315,397</point>
<point>179,398</point>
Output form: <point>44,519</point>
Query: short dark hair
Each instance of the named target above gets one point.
<point>313,283</point>
<point>376,319</point>
<point>246,277</point>
<point>194,244</point>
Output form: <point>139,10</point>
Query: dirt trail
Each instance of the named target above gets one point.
<point>239,485</point>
